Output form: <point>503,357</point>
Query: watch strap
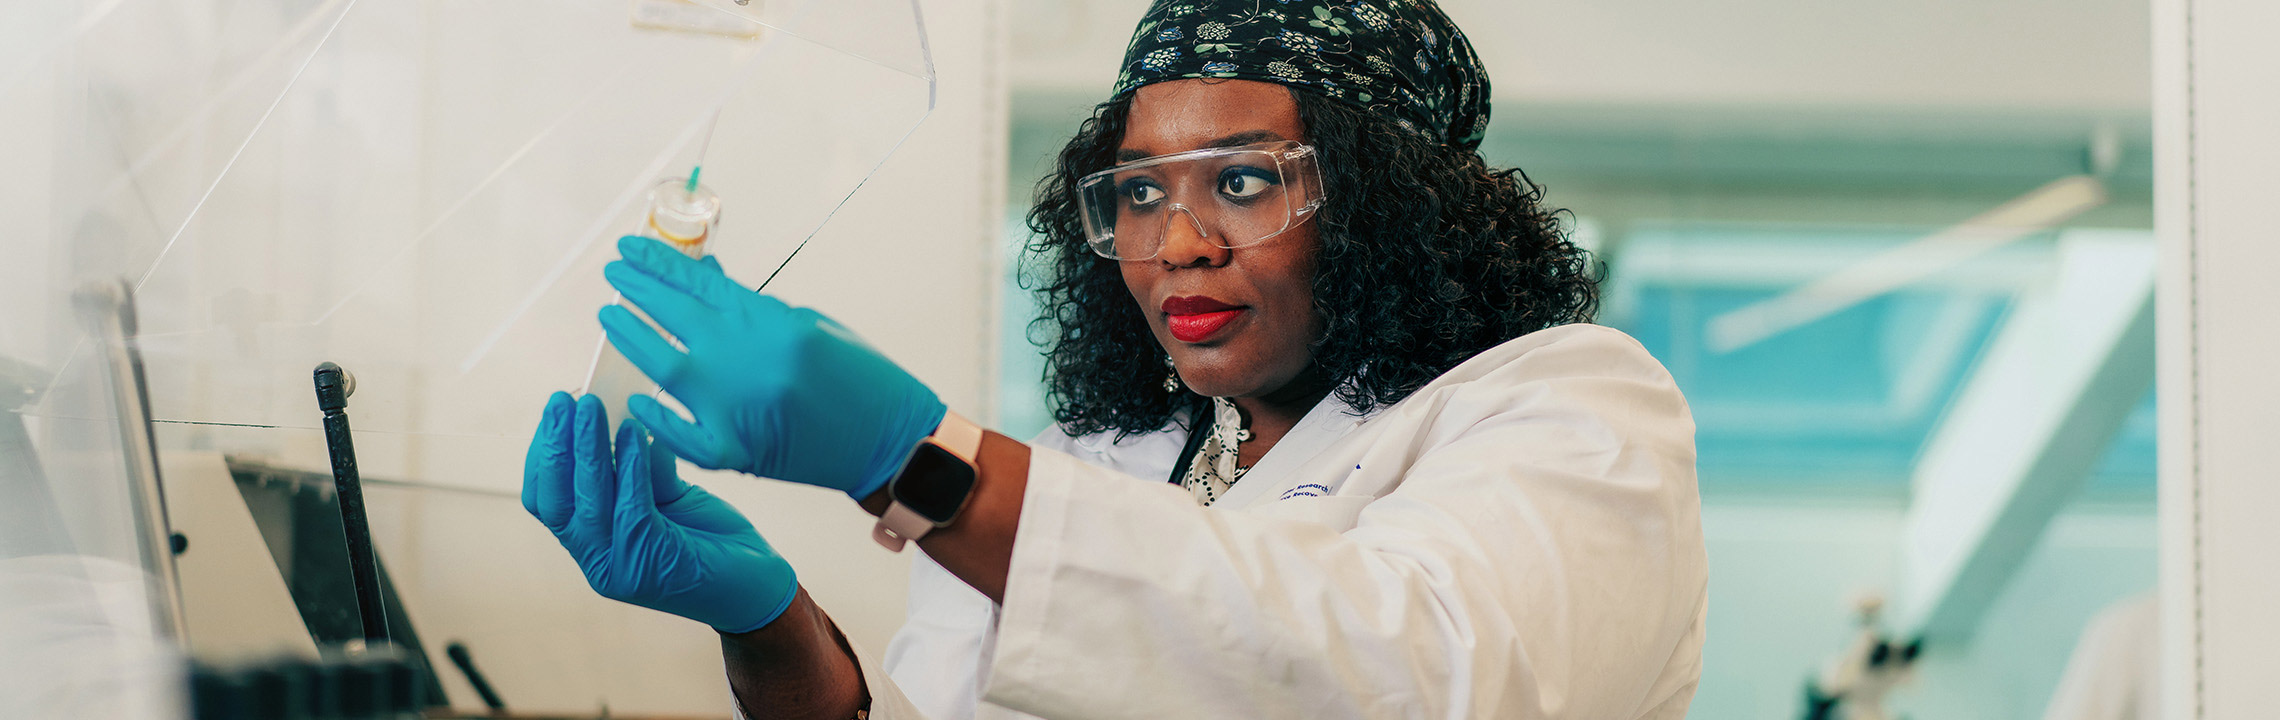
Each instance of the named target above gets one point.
<point>960,436</point>
<point>901,524</point>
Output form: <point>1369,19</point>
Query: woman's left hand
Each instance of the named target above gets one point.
<point>776,391</point>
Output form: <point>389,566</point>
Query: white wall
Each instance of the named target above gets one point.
<point>2088,54</point>
<point>2216,71</point>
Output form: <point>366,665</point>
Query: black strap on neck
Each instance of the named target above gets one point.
<point>1196,432</point>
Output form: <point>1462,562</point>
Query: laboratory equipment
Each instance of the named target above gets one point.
<point>424,193</point>
<point>108,308</point>
<point>28,520</point>
<point>368,220</point>
<point>91,610</point>
<point>682,214</point>
<point>299,514</point>
<point>465,661</point>
<point>334,385</point>
<point>379,682</point>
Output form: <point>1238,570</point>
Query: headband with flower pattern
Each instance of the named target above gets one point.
<point>1403,58</point>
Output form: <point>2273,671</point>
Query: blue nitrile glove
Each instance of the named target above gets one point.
<point>776,391</point>
<point>641,535</point>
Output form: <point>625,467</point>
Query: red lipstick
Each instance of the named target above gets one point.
<point>1196,318</point>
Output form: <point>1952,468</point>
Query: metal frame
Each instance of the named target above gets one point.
<point>108,309</point>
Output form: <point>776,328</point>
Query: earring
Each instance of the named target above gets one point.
<point>1172,379</point>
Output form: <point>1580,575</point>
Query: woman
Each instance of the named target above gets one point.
<point>1333,441</point>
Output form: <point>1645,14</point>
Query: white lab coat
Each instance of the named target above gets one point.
<point>1521,538</point>
<point>2115,672</point>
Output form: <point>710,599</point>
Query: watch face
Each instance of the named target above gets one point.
<point>934,483</point>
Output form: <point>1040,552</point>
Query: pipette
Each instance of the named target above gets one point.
<point>685,219</point>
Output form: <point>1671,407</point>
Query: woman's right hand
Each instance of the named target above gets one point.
<point>641,534</point>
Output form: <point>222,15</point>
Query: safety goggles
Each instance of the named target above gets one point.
<point>1231,197</point>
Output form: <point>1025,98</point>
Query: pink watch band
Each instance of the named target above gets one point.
<point>901,524</point>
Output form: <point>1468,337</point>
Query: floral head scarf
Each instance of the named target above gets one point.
<point>1401,58</point>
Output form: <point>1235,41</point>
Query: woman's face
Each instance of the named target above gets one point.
<point>1266,342</point>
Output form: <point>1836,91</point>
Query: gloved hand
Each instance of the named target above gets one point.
<point>776,391</point>
<point>641,535</point>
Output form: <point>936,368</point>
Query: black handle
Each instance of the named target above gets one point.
<point>460,657</point>
<point>333,388</point>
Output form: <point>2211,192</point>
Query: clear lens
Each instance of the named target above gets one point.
<point>1229,197</point>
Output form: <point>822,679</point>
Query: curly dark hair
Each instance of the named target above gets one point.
<point>1428,257</point>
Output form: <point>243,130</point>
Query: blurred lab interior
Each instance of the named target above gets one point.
<point>1903,259</point>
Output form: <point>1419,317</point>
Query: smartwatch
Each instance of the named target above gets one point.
<point>933,484</point>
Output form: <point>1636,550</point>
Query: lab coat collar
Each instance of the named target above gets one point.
<point>1321,427</point>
